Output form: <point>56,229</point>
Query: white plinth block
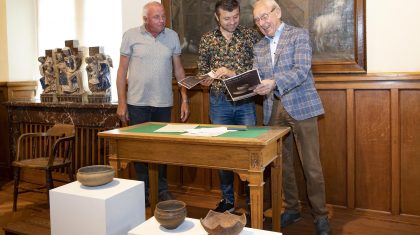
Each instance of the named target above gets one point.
<point>110,209</point>
<point>188,227</point>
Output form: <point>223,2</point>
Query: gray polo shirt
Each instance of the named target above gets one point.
<point>150,66</point>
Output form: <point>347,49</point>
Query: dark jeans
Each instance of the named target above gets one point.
<point>223,111</point>
<point>141,114</point>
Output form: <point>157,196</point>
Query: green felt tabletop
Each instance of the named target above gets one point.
<point>251,132</point>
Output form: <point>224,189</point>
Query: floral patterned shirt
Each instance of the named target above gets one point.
<point>237,54</point>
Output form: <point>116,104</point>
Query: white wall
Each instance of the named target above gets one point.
<point>393,35</point>
<point>132,13</point>
<point>22,39</point>
<point>4,66</point>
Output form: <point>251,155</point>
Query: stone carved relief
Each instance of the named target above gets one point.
<point>48,80</point>
<point>99,73</point>
<point>70,76</point>
<point>62,77</point>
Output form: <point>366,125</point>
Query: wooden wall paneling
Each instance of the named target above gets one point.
<point>5,171</point>
<point>410,151</point>
<point>205,106</point>
<point>193,177</point>
<point>175,114</point>
<point>351,178</point>
<point>333,146</point>
<point>198,106</point>
<point>215,181</point>
<point>22,90</point>
<point>4,138</point>
<point>174,176</point>
<point>395,153</point>
<point>259,109</point>
<point>373,149</point>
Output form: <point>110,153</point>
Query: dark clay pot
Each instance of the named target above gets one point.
<point>170,214</point>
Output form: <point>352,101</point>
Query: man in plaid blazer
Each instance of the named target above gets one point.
<point>283,59</point>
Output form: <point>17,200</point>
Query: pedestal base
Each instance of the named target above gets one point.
<point>49,98</point>
<point>189,226</point>
<point>110,209</point>
<point>75,98</point>
<point>99,98</point>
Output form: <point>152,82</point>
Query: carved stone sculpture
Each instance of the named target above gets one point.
<point>99,74</point>
<point>70,76</point>
<point>48,80</point>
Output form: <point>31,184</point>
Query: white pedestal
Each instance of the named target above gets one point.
<point>110,209</point>
<point>189,226</point>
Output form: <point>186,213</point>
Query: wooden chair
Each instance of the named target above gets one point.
<point>46,151</point>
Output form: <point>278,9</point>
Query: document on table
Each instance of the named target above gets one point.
<point>176,128</point>
<point>215,131</point>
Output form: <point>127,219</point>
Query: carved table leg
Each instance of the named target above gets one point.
<point>256,198</point>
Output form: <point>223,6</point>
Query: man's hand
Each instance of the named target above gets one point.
<point>224,72</point>
<point>265,87</point>
<point>185,111</point>
<point>207,82</point>
<point>122,114</point>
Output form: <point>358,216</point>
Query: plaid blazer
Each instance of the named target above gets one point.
<point>292,73</point>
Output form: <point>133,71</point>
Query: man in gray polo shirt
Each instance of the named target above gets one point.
<point>148,55</point>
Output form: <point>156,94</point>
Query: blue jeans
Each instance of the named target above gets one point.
<point>141,114</point>
<point>223,111</point>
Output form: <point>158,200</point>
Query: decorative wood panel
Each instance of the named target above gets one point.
<point>333,146</point>
<point>410,151</point>
<point>4,138</point>
<point>373,149</point>
<point>24,90</point>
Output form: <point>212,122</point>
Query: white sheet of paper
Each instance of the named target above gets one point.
<point>176,128</point>
<point>215,131</point>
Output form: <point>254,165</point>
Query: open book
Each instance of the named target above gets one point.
<point>242,86</point>
<point>191,81</point>
<point>239,87</point>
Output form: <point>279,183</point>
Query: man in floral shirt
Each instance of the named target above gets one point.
<point>227,51</point>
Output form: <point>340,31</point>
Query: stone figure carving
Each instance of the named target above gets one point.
<point>98,71</point>
<point>46,69</point>
<point>70,76</point>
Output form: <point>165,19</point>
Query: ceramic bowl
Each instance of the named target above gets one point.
<point>95,175</point>
<point>170,214</point>
<point>225,223</point>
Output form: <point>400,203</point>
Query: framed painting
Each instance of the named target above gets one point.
<point>336,28</point>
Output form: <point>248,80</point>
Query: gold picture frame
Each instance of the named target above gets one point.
<point>337,29</point>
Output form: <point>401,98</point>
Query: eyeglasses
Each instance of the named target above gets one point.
<point>263,17</point>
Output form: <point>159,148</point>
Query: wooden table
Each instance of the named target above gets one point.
<point>245,152</point>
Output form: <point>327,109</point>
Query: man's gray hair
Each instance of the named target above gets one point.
<point>149,4</point>
<point>270,3</point>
